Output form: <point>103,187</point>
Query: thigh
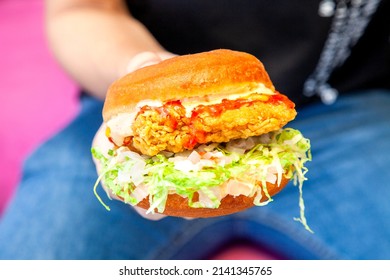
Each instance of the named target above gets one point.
<point>346,194</point>
<point>46,218</point>
<point>55,215</point>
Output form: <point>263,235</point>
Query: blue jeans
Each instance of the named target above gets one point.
<point>55,215</point>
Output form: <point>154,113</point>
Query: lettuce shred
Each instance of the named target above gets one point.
<point>133,177</point>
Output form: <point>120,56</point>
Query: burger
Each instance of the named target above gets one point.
<point>199,135</point>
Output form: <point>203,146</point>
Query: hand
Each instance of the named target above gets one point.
<point>100,140</point>
<point>145,59</point>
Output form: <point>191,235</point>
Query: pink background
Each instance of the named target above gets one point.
<point>36,97</point>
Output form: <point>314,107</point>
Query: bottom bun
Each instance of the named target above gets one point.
<point>177,206</point>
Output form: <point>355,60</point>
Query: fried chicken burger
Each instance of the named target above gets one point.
<point>199,135</point>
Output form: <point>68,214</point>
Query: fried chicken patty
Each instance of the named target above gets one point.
<point>168,128</point>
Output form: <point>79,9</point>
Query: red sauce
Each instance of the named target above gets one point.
<point>281,99</point>
<point>166,111</point>
<point>217,109</point>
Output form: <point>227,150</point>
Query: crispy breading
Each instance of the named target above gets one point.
<point>156,130</point>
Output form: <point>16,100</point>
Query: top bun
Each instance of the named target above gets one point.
<point>195,75</point>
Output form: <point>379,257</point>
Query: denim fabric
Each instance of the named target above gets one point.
<point>55,215</point>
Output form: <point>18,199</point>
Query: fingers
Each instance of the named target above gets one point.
<point>138,61</point>
<point>147,58</point>
<point>149,216</point>
<point>142,212</point>
<point>102,142</point>
<point>153,216</point>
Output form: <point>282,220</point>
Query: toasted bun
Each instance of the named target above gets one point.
<point>178,206</point>
<point>215,72</point>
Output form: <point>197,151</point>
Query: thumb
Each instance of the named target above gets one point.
<point>147,58</point>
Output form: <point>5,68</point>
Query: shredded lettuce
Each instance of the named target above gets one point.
<point>283,152</point>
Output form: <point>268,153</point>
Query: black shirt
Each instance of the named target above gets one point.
<point>287,36</point>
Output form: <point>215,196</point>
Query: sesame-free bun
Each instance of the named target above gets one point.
<point>195,75</point>
<point>177,206</point>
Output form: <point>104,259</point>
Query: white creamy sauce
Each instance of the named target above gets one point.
<point>120,127</point>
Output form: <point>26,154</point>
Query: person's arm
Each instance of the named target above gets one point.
<point>95,40</point>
